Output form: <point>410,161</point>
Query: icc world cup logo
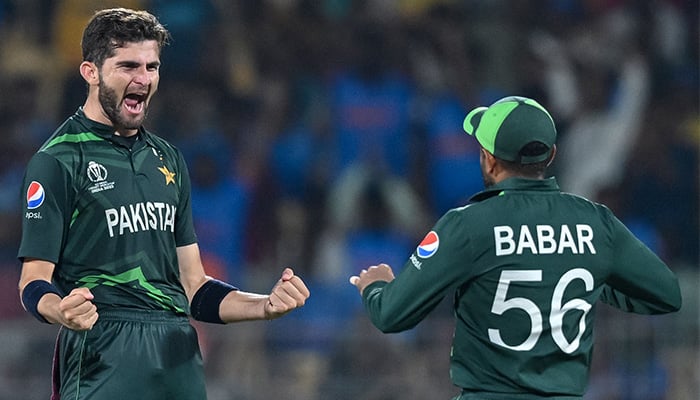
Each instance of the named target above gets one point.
<point>96,172</point>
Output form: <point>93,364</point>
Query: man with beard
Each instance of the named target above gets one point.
<point>527,263</point>
<point>108,247</point>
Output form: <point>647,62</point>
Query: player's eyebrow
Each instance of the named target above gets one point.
<point>134,64</point>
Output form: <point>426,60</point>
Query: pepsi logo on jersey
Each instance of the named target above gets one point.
<point>35,195</point>
<point>429,245</point>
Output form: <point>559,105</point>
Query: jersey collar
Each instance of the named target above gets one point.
<point>517,184</point>
<point>107,131</point>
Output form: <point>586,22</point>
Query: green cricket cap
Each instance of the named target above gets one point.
<point>506,126</point>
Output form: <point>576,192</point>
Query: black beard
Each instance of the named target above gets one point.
<point>108,101</point>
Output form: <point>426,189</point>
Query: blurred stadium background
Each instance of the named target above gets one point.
<point>326,135</point>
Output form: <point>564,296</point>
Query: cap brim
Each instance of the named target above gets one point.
<point>471,121</point>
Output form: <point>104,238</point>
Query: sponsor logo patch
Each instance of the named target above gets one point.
<point>429,246</point>
<point>35,195</point>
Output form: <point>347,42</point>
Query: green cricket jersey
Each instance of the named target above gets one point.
<point>109,216</point>
<point>527,264</point>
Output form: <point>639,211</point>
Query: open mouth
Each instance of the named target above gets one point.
<point>135,102</point>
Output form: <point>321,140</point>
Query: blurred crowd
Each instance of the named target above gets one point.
<point>327,135</point>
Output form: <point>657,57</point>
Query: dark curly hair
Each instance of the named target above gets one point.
<point>111,28</point>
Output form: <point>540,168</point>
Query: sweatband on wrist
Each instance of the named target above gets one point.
<point>33,292</point>
<point>205,303</point>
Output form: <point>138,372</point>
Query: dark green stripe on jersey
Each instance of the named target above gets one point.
<point>111,216</point>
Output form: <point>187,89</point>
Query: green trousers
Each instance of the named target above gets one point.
<point>145,355</point>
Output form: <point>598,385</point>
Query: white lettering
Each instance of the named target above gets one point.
<point>136,216</point>
<point>33,215</point>
<point>414,260</point>
<point>169,223</point>
<point>566,241</point>
<point>112,219</point>
<point>124,222</point>
<point>547,239</point>
<point>526,241</point>
<point>159,206</point>
<point>152,218</point>
<point>141,217</point>
<point>585,236</point>
<point>503,236</point>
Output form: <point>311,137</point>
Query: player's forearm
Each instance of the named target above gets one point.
<point>36,291</point>
<point>385,315</point>
<point>243,306</point>
<point>48,307</point>
<point>219,302</point>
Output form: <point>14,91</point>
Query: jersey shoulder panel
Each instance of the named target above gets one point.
<point>70,143</point>
<point>67,135</point>
<point>593,210</point>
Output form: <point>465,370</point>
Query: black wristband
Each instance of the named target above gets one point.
<point>205,303</point>
<point>33,292</point>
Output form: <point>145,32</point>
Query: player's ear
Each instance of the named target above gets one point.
<point>488,160</point>
<point>90,72</point>
<point>551,156</point>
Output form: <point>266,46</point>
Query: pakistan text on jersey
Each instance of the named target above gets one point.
<point>545,239</point>
<point>141,217</point>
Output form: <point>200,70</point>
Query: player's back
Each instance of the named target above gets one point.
<point>538,261</point>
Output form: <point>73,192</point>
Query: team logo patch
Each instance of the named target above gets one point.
<point>169,176</point>
<point>429,245</point>
<point>35,195</point>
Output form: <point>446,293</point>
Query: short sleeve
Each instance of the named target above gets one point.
<point>46,208</point>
